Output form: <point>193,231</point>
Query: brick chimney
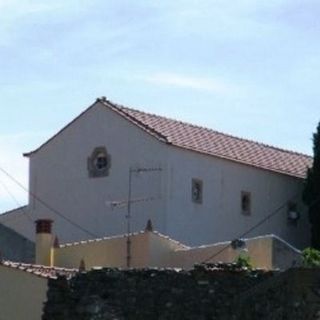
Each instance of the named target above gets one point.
<point>44,242</point>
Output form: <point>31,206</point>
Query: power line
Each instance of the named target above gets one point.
<point>261,222</point>
<point>49,207</point>
<point>17,202</point>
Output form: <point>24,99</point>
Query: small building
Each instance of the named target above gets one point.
<point>151,249</point>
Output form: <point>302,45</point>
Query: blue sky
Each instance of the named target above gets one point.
<point>246,67</point>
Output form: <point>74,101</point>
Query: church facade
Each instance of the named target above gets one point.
<point>196,185</point>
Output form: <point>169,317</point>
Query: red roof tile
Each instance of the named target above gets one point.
<point>214,143</point>
<point>40,271</point>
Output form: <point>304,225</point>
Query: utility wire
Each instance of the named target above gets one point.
<point>47,205</point>
<point>17,202</point>
<point>261,222</point>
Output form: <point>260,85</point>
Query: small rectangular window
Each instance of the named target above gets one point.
<point>197,190</point>
<point>246,203</point>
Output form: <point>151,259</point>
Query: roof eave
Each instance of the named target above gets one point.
<point>293,175</point>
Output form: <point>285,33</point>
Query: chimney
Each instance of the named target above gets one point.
<point>44,242</point>
<point>149,226</point>
<point>82,266</point>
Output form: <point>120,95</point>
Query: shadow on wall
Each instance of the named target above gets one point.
<point>15,247</point>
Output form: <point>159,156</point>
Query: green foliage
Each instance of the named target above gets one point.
<point>311,193</point>
<point>243,261</point>
<point>311,258</point>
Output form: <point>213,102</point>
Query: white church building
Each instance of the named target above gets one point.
<point>197,185</point>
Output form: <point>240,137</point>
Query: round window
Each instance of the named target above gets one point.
<point>101,161</point>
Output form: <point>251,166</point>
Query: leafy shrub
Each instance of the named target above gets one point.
<point>243,261</point>
<point>311,258</point>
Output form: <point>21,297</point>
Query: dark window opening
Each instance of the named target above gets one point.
<point>246,203</point>
<point>197,190</point>
<point>99,163</point>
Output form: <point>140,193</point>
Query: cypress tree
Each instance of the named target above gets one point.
<point>311,194</point>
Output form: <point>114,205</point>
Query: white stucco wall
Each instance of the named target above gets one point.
<point>259,250</point>
<point>161,251</point>
<point>267,252</point>
<point>151,249</point>
<point>58,175</point>
<point>111,252</point>
<point>22,295</point>
<point>219,217</point>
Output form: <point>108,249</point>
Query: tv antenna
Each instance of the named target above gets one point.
<point>128,203</point>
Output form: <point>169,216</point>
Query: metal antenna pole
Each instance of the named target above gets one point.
<point>129,220</point>
<point>128,216</point>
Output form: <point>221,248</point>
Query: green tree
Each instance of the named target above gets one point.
<point>311,194</point>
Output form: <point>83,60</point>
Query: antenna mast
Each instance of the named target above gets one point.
<point>128,216</point>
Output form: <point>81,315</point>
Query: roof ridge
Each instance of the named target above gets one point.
<point>24,264</point>
<point>161,235</point>
<point>121,108</point>
<point>38,270</point>
<point>211,130</point>
<point>87,241</point>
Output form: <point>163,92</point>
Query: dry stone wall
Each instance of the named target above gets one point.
<point>207,292</point>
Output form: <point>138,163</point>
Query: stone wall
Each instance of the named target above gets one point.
<point>293,295</point>
<point>208,292</point>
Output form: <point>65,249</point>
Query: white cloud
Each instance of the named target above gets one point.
<point>191,82</point>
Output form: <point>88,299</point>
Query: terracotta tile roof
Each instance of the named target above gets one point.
<point>40,271</point>
<point>214,143</point>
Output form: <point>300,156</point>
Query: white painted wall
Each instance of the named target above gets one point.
<point>154,250</point>
<point>110,252</point>
<point>58,175</point>
<point>22,294</point>
<point>219,217</point>
<point>267,252</point>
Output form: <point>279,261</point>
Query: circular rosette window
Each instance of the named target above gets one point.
<point>99,163</point>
